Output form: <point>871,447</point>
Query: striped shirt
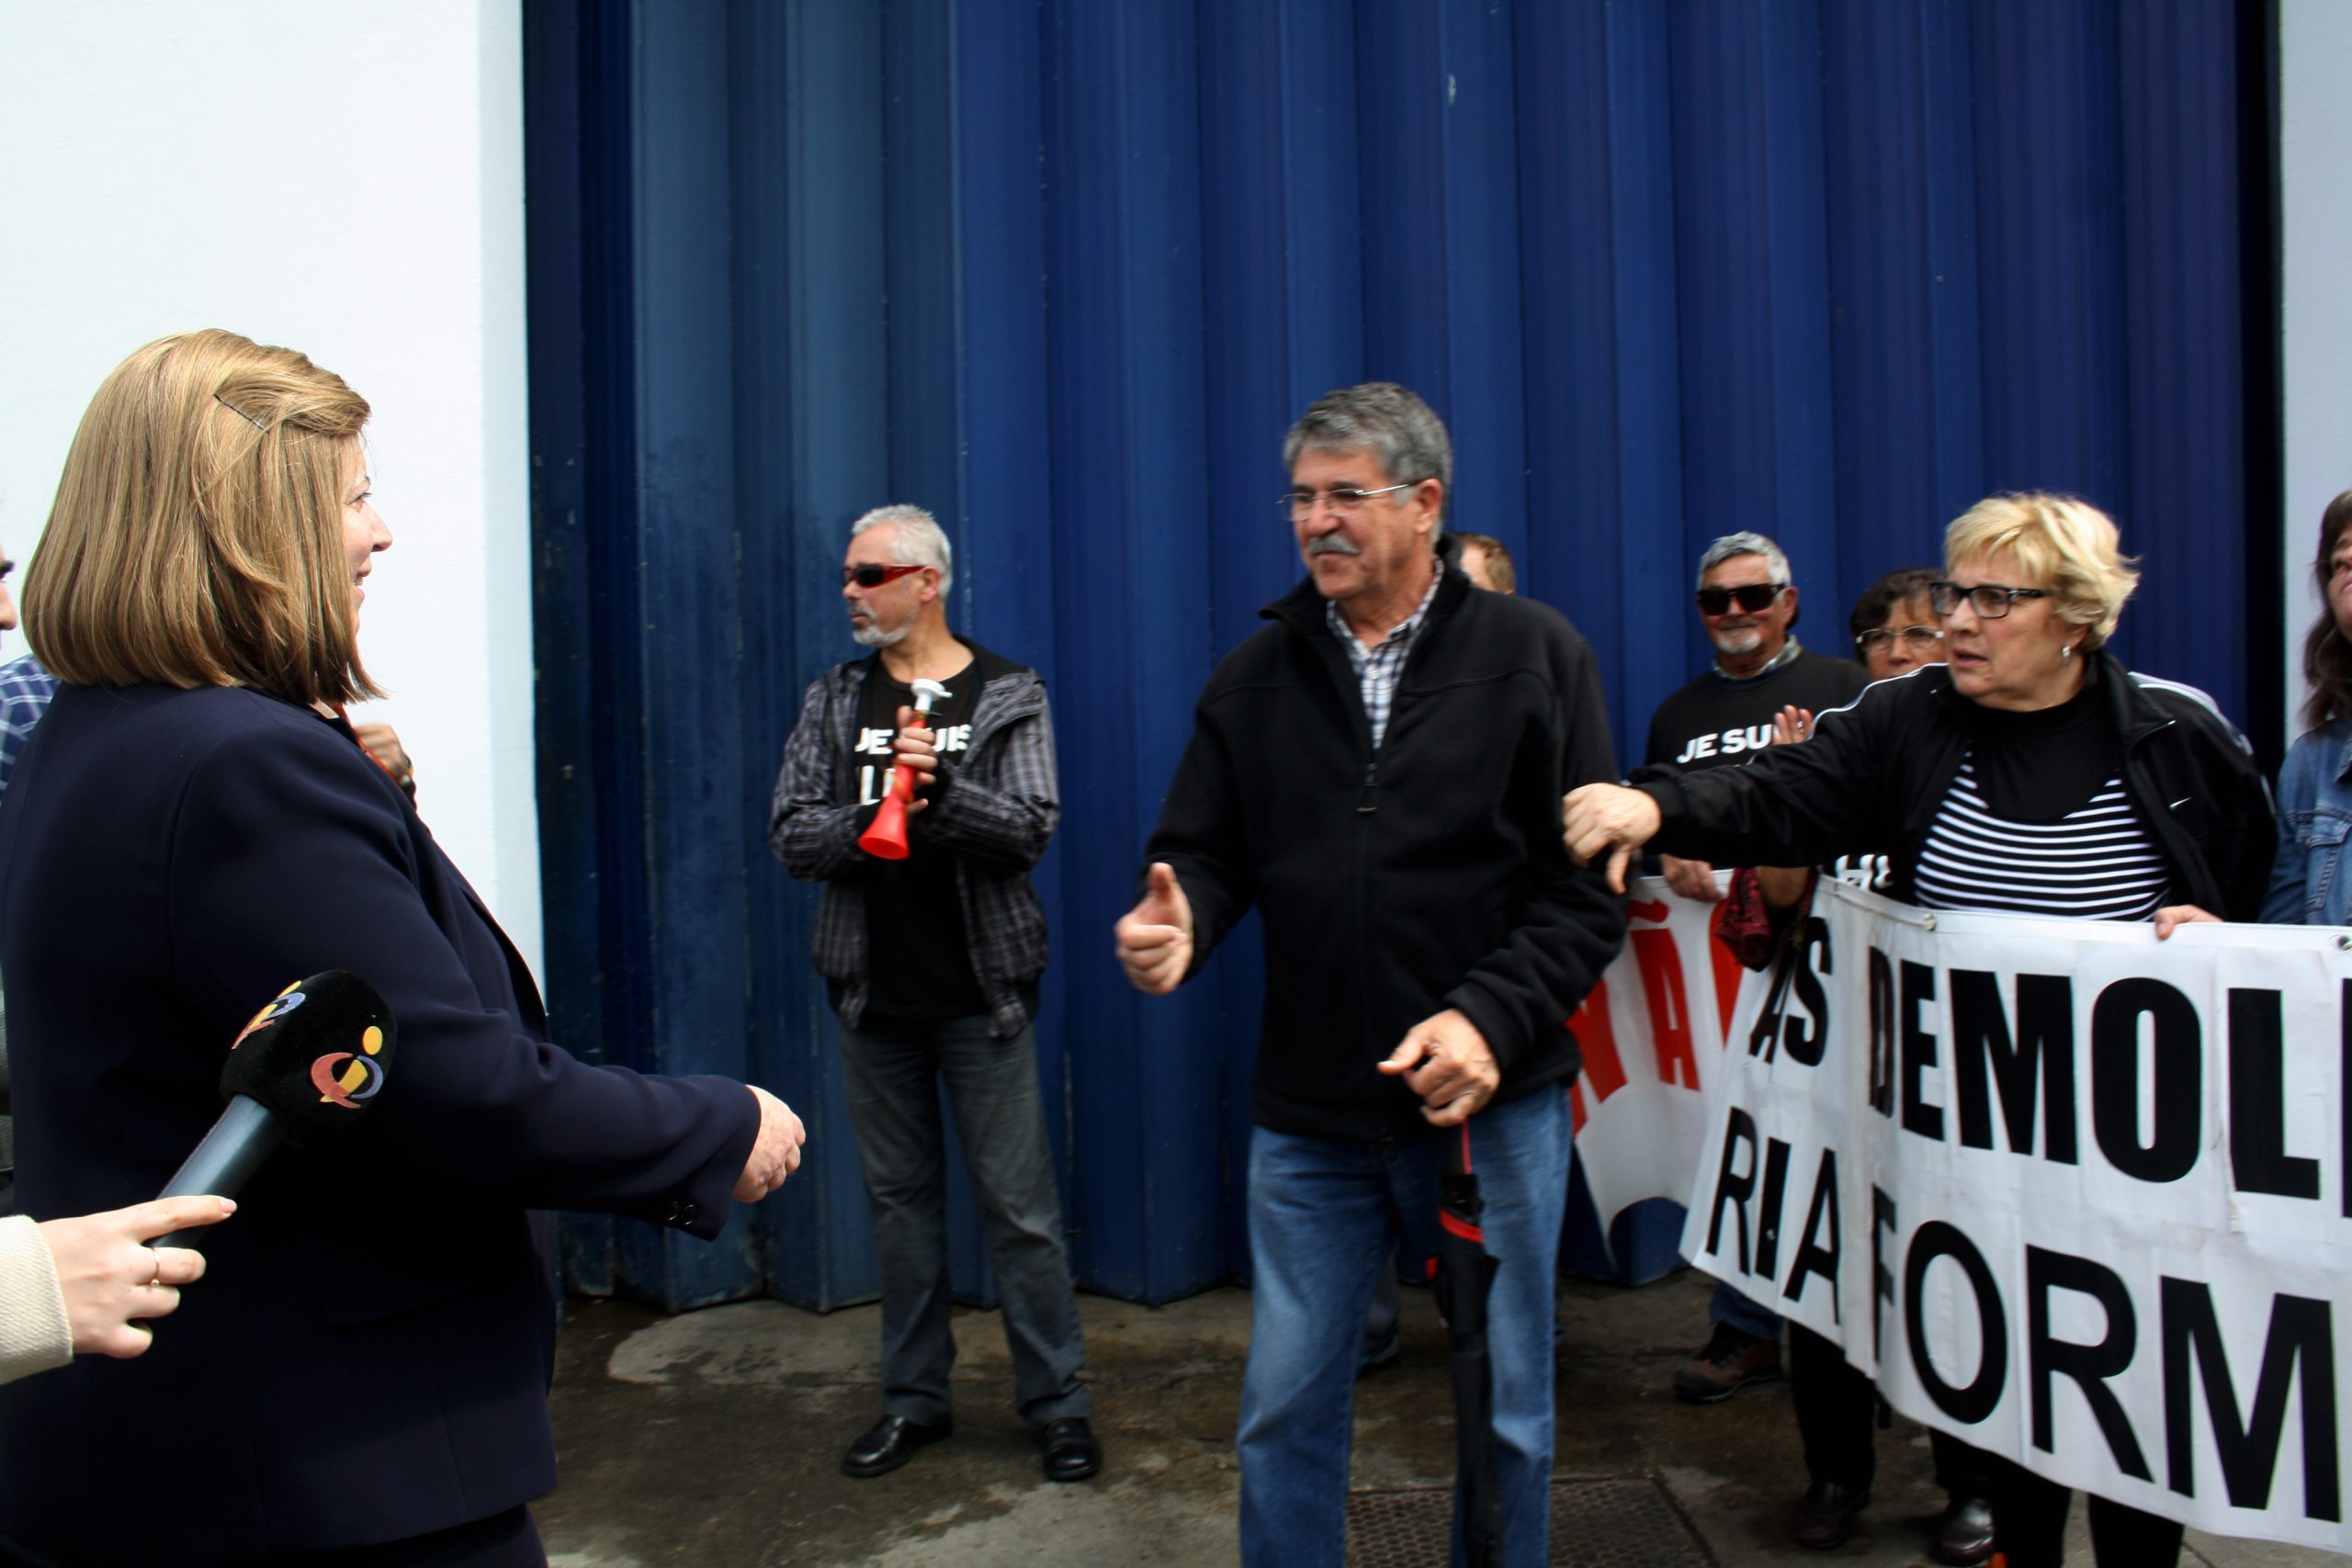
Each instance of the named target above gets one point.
<point>1378,666</point>
<point>2097,863</point>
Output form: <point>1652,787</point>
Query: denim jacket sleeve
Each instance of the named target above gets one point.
<point>2307,882</point>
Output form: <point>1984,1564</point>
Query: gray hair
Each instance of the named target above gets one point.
<point>1386,420</point>
<point>921,541</point>
<point>1731,545</point>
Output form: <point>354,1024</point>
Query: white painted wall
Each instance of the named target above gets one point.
<point>2314,140</point>
<point>345,179</point>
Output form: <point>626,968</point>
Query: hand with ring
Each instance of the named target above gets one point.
<point>113,1281</point>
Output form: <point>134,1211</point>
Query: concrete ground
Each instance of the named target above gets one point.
<point>715,1440</point>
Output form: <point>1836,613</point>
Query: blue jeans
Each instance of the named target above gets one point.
<point>892,1067</point>
<point>1728,1305</point>
<point>1324,1213</point>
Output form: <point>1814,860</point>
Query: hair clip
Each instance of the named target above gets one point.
<point>239,413</point>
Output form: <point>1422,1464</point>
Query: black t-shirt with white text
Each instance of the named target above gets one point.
<point>1713,722</point>
<point>921,964</point>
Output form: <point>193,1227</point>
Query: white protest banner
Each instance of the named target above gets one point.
<point>1652,1032</point>
<point>2072,1195</point>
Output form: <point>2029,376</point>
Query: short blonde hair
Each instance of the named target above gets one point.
<point>197,534</point>
<point>2058,542</point>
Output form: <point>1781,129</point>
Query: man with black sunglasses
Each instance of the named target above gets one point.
<point>932,958</point>
<point>1747,603</point>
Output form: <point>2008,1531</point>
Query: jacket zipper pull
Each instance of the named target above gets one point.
<point>1369,802</point>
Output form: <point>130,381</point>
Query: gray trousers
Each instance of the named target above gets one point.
<point>893,1068</point>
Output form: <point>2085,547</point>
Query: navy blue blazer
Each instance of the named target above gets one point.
<point>367,1356</point>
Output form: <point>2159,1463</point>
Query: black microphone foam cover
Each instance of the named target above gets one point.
<point>316,1056</point>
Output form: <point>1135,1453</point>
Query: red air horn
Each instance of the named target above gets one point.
<point>887,839</point>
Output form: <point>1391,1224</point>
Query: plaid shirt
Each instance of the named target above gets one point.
<point>25,691</point>
<point>996,807</point>
<point>1378,666</point>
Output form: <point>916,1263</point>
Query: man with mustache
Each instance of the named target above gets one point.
<point>933,964</point>
<point>1369,771</point>
<point>1747,603</point>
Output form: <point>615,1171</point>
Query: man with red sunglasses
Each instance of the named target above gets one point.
<point>1747,603</point>
<point>932,962</point>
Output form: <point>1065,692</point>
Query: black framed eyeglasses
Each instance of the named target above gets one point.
<point>1751,597</point>
<point>1340,501</point>
<point>873,576</point>
<point>1989,599</point>
<point>1918,640</point>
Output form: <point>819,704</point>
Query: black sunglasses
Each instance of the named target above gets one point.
<point>873,576</point>
<point>1752,597</point>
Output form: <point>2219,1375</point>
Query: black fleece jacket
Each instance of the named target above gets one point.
<point>1875,771</point>
<point>1395,884</point>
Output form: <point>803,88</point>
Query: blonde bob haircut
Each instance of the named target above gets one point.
<point>2067,546</point>
<point>197,534</point>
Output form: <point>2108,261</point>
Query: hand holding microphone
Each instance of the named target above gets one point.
<point>113,1281</point>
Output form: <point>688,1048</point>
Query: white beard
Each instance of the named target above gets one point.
<point>872,635</point>
<point>1745,641</point>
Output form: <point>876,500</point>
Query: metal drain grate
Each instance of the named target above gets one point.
<point>1621,1523</point>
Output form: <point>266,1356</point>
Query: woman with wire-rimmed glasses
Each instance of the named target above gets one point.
<point>2031,775</point>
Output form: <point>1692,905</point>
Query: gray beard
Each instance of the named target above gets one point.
<point>872,635</point>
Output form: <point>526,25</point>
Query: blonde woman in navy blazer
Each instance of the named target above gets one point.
<point>190,829</point>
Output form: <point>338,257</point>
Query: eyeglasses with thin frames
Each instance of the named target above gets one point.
<point>872,576</point>
<point>1340,501</point>
<point>1918,640</point>
<point>1752,597</point>
<point>1989,599</point>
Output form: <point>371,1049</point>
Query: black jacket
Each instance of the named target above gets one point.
<point>1396,884</point>
<point>1876,771</point>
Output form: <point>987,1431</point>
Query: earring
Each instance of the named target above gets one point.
<point>2066,650</point>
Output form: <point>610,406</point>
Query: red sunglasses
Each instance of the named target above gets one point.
<point>872,576</point>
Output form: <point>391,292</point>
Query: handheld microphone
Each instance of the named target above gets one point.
<point>304,1068</point>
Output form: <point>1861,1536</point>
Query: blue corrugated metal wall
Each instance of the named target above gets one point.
<point>1064,271</point>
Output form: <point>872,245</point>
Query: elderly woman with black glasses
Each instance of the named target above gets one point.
<point>2032,774</point>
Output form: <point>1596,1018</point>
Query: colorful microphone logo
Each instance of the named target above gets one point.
<point>355,1083</point>
<point>286,1002</point>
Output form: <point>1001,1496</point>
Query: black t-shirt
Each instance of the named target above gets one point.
<point>2039,766</point>
<point>920,962</point>
<point>1713,722</point>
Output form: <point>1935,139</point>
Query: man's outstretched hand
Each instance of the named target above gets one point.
<point>1154,940</point>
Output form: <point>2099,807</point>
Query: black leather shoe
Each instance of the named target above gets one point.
<point>889,1443</point>
<point>1824,1514</point>
<point>1965,1537</point>
<point>1070,1449</point>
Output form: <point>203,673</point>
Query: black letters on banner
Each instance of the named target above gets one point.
<point>1882,971</point>
<point>1732,1188</point>
<point>2176,1078</point>
<point>2300,1331</point>
<point>2038,1067</point>
<point>1815,1256</point>
<point>1810,962</point>
<point>1973,1403</point>
<point>1767,1215</point>
<point>2258,1155</point>
<point>1776,1026</point>
<point>2089,1365</point>
<point>1881,1277</point>
<point>1918,1051</point>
